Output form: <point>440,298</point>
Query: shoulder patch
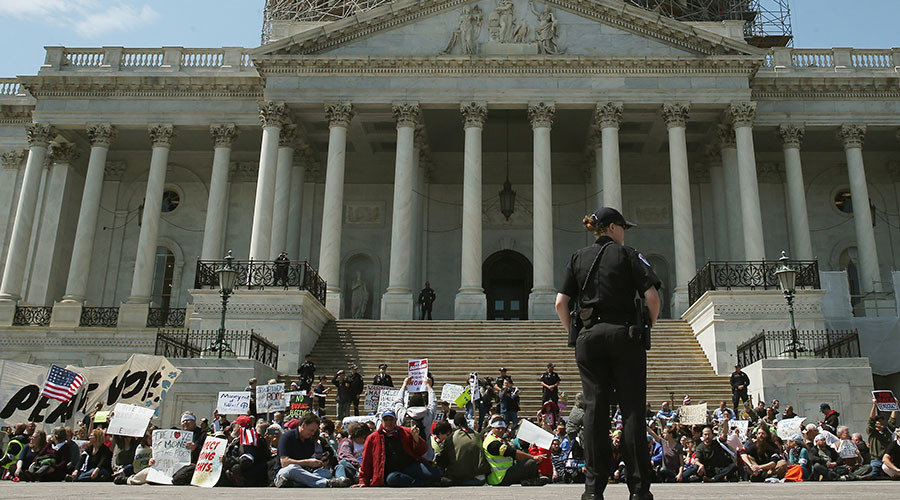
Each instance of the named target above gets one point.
<point>641,256</point>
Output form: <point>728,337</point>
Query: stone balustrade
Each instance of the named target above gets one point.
<point>836,59</point>
<point>10,87</point>
<point>165,59</point>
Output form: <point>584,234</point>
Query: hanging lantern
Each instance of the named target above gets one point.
<point>507,200</point>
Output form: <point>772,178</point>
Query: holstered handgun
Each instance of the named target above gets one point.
<point>640,329</point>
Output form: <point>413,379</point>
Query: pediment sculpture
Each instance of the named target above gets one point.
<point>505,29</point>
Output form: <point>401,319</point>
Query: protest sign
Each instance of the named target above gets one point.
<point>693,414</point>
<point>885,401</point>
<point>362,418</point>
<point>298,405</point>
<point>233,403</point>
<point>129,420</point>
<point>535,435</point>
<point>143,380</point>
<point>847,449</point>
<point>209,465</point>
<point>418,373</point>
<point>170,453</point>
<point>388,399</point>
<point>741,425</point>
<point>20,399</point>
<point>270,398</point>
<point>450,392</point>
<point>463,398</point>
<point>373,395</point>
<point>788,427</point>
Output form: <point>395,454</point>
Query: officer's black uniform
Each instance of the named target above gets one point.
<point>739,378</point>
<point>609,360</point>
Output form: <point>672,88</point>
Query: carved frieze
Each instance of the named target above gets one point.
<point>359,213</point>
<point>113,170</point>
<point>465,36</point>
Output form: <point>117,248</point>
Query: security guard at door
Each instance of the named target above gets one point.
<point>609,359</point>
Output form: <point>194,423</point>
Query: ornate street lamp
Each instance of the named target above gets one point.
<point>787,280</point>
<point>507,196</point>
<point>227,276</point>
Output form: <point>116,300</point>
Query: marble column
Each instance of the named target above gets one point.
<point>728,149</point>
<point>295,213</point>
<point>742,114</point>
<point>134,312</point>
<point>471,302</point>
<point>282,206</point>
<point>217,205</point>
<point>798,220</point>
<point>12,160</point>
<point>720,202</point>
<point>272,116</point>
<point>595,147</point>
<point>853,135</point>
<point>397,301</point>
<point>541,301</point>
<point>38,135</point>
<point>608,117</point>
<point>339,116</point>
<point>676,116</point>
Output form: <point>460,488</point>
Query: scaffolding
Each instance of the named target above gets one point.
<point>768,22</point>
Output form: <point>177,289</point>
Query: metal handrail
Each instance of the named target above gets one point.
<point>716,275</point>
<point>259,275</point>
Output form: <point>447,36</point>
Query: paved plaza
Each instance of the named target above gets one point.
<point>868,490</point>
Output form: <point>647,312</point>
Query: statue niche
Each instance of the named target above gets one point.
<point>360,271</point>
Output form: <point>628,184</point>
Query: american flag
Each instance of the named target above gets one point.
<point>248,436</point>
<point>61,384</point>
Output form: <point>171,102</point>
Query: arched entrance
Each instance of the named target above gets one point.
<point>507,282</point>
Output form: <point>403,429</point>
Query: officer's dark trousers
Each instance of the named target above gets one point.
<point>608,359</point>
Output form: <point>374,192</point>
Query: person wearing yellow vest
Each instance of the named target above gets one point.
<point>508,465</point>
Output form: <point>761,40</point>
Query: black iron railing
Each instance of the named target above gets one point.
<point>32,315</point>
<point>258,274</point>
<point>104,317</point>
<point>166,317</point>
<point>204,343</point>
<point>725,275</point>
<point>810,344</point>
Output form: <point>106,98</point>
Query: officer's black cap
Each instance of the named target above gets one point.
<point>608,215</point>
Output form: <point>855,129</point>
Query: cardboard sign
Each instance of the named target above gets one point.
<point>693,414</point>
<point>885,401</point>
<point>362,418</point>
<point>170,453</point>
<point>388,400</point>
<point>847,449</point>
<point>790,426</point>
<point>741,426</point>
<point>233,403</point>
<point>143,380</point>
<point>373,395</point>
<point>209,465</point>
<point>129,420</point>
<point>270,398</point>
<point>450,392</point>
<point>463,398</point>
<point>534,435</point>
<point>298,405</point>
<point>418,373</point>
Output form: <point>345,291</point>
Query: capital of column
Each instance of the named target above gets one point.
<point>608,115</point>
<point>113,170</point>
<point>101,134</point>
<point>713,154</point>
<point>339,114</point>
<point>406,114</point>
<point>791,135</point>
<point>162,135</point>
<point>224,134</point>
<point>38,134</point>
<point>541,114</point>
<point>725,133</point>
<point>675,114</point>
<point>272,114</point>
<point>63,152</point>
<point>474,114</point>
<point>13,159</point>
<point>289,136</point>
<point>853,135</point>
<point>741,113</point>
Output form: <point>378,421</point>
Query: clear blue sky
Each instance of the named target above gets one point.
<point>26,26</point>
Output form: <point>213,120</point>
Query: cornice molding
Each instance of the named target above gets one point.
<point>101,86</point>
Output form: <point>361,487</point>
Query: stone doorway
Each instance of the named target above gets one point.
<point>507,282</point>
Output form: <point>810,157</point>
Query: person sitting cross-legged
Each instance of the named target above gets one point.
<point>296,463</point>
<point>712,461</point>
<point>462,457</point>
<point>508,465</point>
<point>763,457</point>
<point>891,459</point>
<point>393,456</point>
<point>665,414</point>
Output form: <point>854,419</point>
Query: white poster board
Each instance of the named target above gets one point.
<point>270,398</point>
<point>693,414</point>
<point>788,427</point>
<point>534,435</point>
<point>847,449</point>
<point>209,465</point>
<point>388,399</point>
<point>450,392</point>
<point>373,396</point>
<point>170,453</point>
<point>233,403</point>
<point>418,373</point>
<point>741,426</point>
<point>129,420</point>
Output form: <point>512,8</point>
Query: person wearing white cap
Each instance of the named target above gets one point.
<point>508,465</point>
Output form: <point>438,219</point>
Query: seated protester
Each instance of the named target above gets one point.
<point>96,461</point>
<point>549,412</point>
<point>302,458</point>
<point>763,457</point>
<point>760,410</point>
<point>879,433</point>
<point>326,430</point>
<point>394,456</point>
<point>47,469</point>
<point>15,449</point>
<point>713,463</point>
<point>247,458</point>
<point>826,463</point>
<point>666,414</point>
<point>508,465</point>
<point>545,466</point>
<point>558,459</point>
<point>184,475</point>
<point>143,459</point>
<point>891,458</point>
<point>462,457</point>
<point>123,456</point>
<point>771,417</point>
<point>444,412</point>
<point>419,410</point>
<point>440,433</point>
<point>670,453</point>
<point>797,454</point>
<point>37,455</point>
<point>850,454</point>
<point>688,471</point>
<point>575,422</point>
<point>350,451</point>
<point>563,437</point>
<point>789,413</point>
<point>617,473</point>
<point>830,423</point>
<point>722,412</point>
<point>863,448</point>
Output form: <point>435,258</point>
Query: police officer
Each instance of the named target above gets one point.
<point>608,357</point>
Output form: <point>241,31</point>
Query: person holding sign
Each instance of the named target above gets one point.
<point>880,436</point>
<point>392,456</point>
<point>509,465</point>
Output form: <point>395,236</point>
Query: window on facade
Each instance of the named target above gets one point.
<point>163,272</point>
<point>170,201</point>
<point>843,201</point>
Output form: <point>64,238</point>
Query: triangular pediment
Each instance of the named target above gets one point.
<point>428,28</point>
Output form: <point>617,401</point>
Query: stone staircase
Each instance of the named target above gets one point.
<point>676,364</point>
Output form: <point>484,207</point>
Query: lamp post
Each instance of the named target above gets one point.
<point>227,276</point>
<point>787,280</point>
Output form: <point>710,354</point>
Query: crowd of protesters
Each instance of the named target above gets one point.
<point>419,440</point>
